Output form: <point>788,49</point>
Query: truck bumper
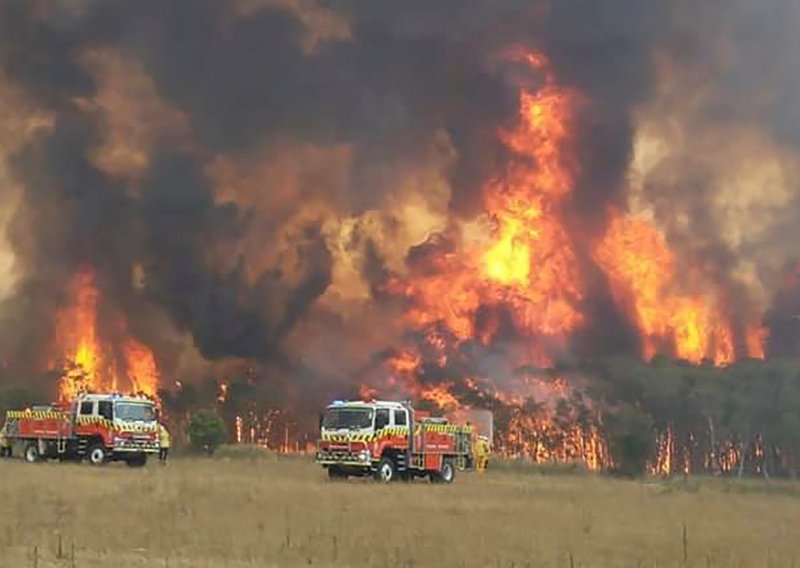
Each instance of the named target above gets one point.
<point>362,459</point>
<point>135,446</point>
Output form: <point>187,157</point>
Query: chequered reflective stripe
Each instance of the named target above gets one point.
<point>133,427</point>
<point>396,431</point>
<point>125,427</point>
<point>449,428</point>
<point>347,437</point>
<point>384,433</point>
<point>37,414</point>
<point>94,420</point>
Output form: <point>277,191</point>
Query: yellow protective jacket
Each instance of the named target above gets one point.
<point>163,436</point>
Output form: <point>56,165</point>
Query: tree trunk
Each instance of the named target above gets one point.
<point>713,441</point>
<point>742,459</point>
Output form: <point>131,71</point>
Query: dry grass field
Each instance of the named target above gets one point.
<point>283,512</point>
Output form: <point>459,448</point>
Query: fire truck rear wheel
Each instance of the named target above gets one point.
<point>448,473</point>
<point>32,453</point>
<point>387,471</point>
<point>445,475</point>
<point>97,455</point>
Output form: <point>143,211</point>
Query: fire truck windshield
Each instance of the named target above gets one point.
<point>349,418</point>
<point>134,411</point>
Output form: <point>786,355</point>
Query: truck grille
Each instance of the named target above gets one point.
<point>135,446</point>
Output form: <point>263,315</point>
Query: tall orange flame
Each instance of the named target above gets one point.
<point>641,271</point>
<point>529,269</point>
<point>76,335</point>
<point>91,363</point>
<point>531,263</point>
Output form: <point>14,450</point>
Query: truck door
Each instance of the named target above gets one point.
<point>87,408</point>
<point>105,409</point>
<point>400,418</point>
<point>381,419</point>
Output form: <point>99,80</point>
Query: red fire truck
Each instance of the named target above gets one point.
<point>391,440</point>
<point>96,427</point>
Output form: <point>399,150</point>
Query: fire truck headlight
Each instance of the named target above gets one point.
<point>364,455</point>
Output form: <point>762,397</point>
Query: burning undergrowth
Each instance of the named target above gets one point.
<point>458,202</point>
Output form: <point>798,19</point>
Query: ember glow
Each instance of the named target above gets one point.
<point>91,363</point>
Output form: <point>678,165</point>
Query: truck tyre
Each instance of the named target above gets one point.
<point>138,460</point>
<point>387,471</point>
<point>97,454</point>
<point>446,475</point>
<point>32,452</point>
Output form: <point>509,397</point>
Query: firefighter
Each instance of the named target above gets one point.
<point>163,443</point>
<point>5,443</point>
<point>481,453</point>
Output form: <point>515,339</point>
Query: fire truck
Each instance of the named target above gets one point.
<point>391,440</point>
<point>95,427</point>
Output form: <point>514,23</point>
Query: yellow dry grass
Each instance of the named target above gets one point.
<point>283,512</point>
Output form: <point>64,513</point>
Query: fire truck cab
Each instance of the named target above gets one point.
<point>96,427</point>
<point>390,440</point>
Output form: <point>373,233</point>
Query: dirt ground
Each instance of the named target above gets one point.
<point>283,512</point>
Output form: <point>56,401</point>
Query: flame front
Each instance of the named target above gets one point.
<point>530,265</point>
<point>87,361</point>
<point>528,274</point>
<point>76,338</point>
<point>142,370</point>
<point>641,270</point>
<point>532,262</point>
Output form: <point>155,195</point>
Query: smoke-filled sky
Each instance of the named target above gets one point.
<point>245,175</point>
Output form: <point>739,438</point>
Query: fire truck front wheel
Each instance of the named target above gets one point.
<point>32,454</point>
<point>387,470</point>
<point>97,455</point>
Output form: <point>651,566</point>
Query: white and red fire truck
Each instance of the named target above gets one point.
<point>391,440</point>
<point>96,427</point>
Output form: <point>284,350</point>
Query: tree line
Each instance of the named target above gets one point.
<point>735,420</point>
<point>661,417</point>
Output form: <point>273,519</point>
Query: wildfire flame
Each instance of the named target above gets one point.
<point>88,362</point>
<point>530,271</point>
<point>641,270</point>
<point>76,335</point>
<point>531,264</point>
